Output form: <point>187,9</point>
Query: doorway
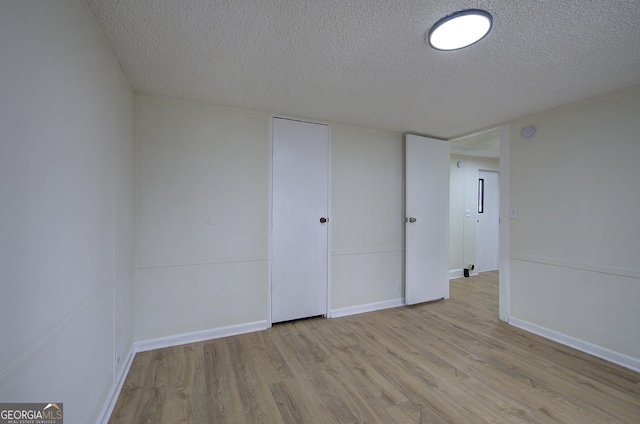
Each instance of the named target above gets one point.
<point>493,142</point>
<point>299,220</point>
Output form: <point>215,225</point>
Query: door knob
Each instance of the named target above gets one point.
<point>323,220</point>
<point>412,219</point>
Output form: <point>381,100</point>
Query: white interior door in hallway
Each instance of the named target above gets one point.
<point>488,221</point>
<point>300,198</point>
<point>427,219</point>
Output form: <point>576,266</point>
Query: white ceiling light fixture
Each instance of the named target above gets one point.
<point>460,29</point>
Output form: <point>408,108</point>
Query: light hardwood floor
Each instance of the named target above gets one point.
<point>445,361</point>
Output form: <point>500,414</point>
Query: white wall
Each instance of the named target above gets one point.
<point>367,219</point>
<point>575,245</point>
<point>464,195</point>
<point>66,269</point>
<point>202,179</point>
<point>197,161</point>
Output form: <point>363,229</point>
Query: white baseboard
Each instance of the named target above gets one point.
<point>199,336</point>
<point>456,273</point>
<point>459,273</point>
<point>369,307</point>
<point>112,398</point>
<point>581,345</point>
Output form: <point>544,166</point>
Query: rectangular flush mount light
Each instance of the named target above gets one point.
<point>460,29</point>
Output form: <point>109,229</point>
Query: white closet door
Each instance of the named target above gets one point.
<point>427,219</point>
<point>299,267</point>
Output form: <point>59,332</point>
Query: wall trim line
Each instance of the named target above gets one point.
<point>365,251</point>
<point>177,262</point>
<point>602,269</point>
<point>38,347</point>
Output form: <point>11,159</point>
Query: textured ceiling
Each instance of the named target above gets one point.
<point>483,144</point>
<point>365,62</point>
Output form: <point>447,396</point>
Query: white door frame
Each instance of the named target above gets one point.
<point>504,296</point>
<point>270,218</point>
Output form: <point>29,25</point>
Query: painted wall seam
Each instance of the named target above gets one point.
<point>179,262</point>
<point>39,346</point>
<point>602,269</point>
<point>366,251</point>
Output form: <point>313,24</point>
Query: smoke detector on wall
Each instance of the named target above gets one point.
<point>528,132</point>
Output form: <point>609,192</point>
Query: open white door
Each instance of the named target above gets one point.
<point>427,219</point>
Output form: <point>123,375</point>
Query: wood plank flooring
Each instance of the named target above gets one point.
<point>447,361</point>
